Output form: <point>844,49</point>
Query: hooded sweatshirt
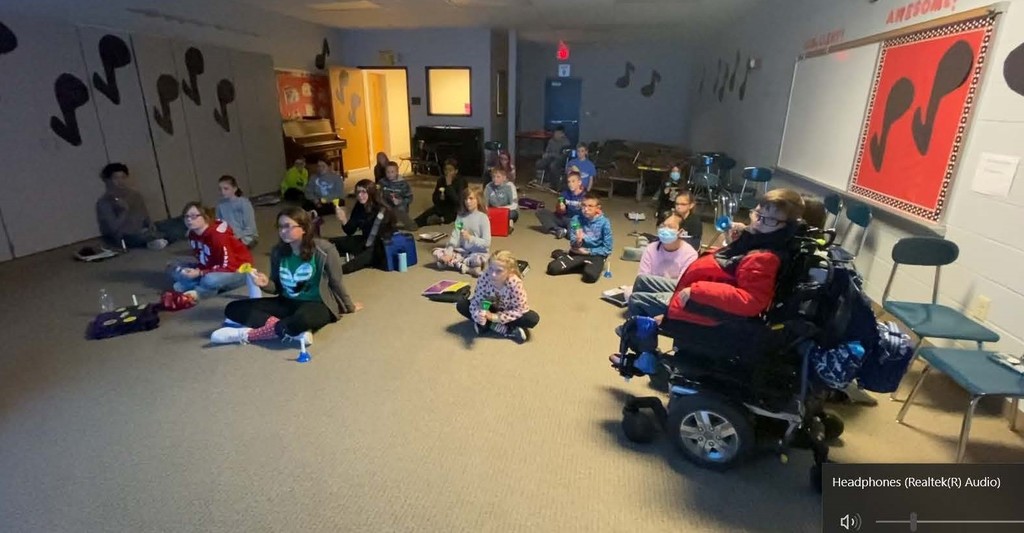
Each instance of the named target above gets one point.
<point>597,235</point>
<point>479,227</point>
<point>503,195</point>
<point>218,250</point>
<point>237,211</point>
<point>330,186</point>
<point>295,178</point>
<point>121,212</point>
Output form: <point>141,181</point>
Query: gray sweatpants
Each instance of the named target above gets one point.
<point>651,295</point>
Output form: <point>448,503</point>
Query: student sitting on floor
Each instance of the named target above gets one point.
<point>366,229</point>
<point>122,214</point>
<point>736,282</point>
<point>499,301</point>
<point>470,241</point>
<point>505,163</point>
<point>661,266</point>
<point>237,211</point>
<point>669,190</point>
<point>446,198</point>
<point>396,193</point>
<point>324,189</point>
<point>590,239</point>
<point>500,193</point>
<point>685,208</point>
<point>381,168</point>
<point>293,186</point>
<point>218,254</point>
<point>305,272</point>
<point>585,167</point>
<point>557,222</point>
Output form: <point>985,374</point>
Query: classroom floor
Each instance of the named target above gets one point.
<point>403,421</point>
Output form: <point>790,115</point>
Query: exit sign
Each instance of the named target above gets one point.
<point>563,51</point>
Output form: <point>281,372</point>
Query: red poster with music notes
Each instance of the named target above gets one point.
<point>924,88</point>
<point>303,94</point>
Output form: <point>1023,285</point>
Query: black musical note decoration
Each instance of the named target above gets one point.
<point>321,59</point>
<point>114,54</point>
<point>953,70</point>
<point>623,80</point>
<point>718,74</point>
<point>898,102</point>
<point>225,95</point>
<point>167,92</point>
<point>721,87</point>
<point>703,72</point>
<point>746,76</point>
<point>735,68</point>
<point>8,40</point>
<point>1013,70</point>
<point>648,90</point>
<point>196,65</point>
<point>71,94</point>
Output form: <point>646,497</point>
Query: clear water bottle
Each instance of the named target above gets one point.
<point>106,301</point>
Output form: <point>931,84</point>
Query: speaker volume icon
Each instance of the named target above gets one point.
<point>851,521</point>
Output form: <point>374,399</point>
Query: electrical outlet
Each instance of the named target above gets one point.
<point>979,308</point>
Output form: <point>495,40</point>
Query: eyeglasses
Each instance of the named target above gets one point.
<point>192,217</point>
<point>288,227</point>
<point>768,222</point>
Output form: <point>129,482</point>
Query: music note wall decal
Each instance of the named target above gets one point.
<point>1013,70</point>
<point>321,59</point>
<point>167,92</point>
<point>718,74</point>
<point>71,94</point>
<point>8,40</point>
<point>648,90</point>
<point>735,68</point>
<point>623,80</point>
<point>953,71</point>
<point>196,65</point>
<point>721,88</point>
<point>225,95</point>
<point>114,54</point>
<point>746,75</point>
<point>898,102</point>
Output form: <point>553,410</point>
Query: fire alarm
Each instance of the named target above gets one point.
<point>563,51</point>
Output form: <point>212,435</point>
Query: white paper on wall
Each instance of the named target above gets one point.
<point>995,173</point>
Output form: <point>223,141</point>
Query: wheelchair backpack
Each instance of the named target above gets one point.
<point>638,345</point>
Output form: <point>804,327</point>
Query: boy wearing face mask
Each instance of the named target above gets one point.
<point>661,266</point>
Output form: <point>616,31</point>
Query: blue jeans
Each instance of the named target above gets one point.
<point>207,285</point>
<point>651,295</point>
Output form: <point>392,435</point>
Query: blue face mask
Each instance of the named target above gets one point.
<point>667,235</point>
<point>674,176</point>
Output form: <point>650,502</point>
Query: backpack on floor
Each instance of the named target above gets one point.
<point>123,321</point>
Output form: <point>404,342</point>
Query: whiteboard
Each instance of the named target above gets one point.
<point>827,105</point>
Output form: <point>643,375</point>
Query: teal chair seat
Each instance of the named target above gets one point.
<point>978,374</point>
<point>939,321</point>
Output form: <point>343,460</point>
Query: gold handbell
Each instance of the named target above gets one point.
<point>246,268</point>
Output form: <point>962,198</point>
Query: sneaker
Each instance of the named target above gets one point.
<point>230,336</point>
<point>474,271</point>
<point>232,324</point>
<point>561,233</point>
<point>192,294</point>
<point>519,335</point>
<point>464,269</point>
<point>306,336</point>
<point>615,359</point>
<point>157,244</point>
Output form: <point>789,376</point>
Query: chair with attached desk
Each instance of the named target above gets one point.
<point>979,374</point>
<point>624,172</point>
<point>931,320</point>
<point>423,159</point>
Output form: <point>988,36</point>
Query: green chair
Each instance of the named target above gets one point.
<point>979,374</point>
<point>931,320</point>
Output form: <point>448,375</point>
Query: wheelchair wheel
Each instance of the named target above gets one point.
<point>639,426</point>
<point>833,425</point>
<point>709,431</point>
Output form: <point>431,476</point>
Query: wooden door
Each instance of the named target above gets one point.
<point>378,109</point>
<point>348,106</point>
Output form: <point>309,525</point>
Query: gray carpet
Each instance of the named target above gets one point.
<point>403,421</point>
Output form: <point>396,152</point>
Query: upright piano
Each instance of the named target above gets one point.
<point>313,137</point>
<point>465,144</point>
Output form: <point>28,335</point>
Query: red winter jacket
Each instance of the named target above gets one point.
<point>218,250</point>
<point>719,292</point>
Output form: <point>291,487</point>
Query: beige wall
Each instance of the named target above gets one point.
<point>398,113</point>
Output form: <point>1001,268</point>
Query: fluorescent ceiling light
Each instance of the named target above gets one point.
<point>352,5</point>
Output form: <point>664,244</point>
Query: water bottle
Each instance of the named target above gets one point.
<point>607,268</point>
<point>106,301</point>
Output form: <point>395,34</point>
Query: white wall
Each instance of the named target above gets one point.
<point>418,49</point>
<point>291,42</point>
<point>608,112</point>
<point>987,229</point>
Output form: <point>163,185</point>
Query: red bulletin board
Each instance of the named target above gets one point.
<point>303,94</point>
<point>924,88</point>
